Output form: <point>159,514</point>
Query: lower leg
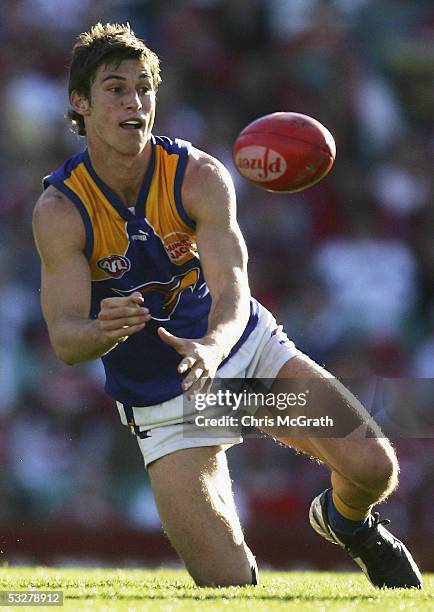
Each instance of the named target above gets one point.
<point>349,504</point>
<point>350,500</point>
<point>193,492</point>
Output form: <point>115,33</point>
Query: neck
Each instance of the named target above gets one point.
<point>122,173</point>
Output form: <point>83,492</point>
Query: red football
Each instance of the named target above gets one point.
<point>284,152</point>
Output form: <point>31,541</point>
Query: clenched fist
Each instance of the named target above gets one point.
<point>121,317</point>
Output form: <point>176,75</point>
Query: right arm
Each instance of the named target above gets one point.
<point>66,287</point>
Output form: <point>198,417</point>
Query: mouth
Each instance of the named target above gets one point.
<point>132,124</point>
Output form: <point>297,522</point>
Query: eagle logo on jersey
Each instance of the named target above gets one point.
<point>114,265</point>
<point>164,297</point>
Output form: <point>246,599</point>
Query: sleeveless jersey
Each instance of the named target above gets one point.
<point>151,250</point>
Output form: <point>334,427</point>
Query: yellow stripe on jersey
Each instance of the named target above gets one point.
<point>161,212</point>
<point>109,229</point>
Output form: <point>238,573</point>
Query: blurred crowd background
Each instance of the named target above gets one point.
<point>347,266</point>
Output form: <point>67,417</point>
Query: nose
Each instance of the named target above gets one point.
<point>133,101</point>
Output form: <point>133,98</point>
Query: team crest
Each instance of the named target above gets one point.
<point>163,298</point>
<point>114,265</point>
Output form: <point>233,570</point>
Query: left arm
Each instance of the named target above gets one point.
<point>209,199</point>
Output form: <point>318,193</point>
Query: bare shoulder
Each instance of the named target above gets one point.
<point>53,207</point>
<point>57,224</point>
<point>207,185</point>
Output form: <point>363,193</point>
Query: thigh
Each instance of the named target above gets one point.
<point>356,447</point>
<point>193,493</point>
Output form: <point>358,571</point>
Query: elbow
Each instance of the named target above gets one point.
<point>63,352</point>
<point>67,360</point>
<point>64,356</point>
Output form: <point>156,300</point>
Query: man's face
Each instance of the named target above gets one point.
<point>121,109</point>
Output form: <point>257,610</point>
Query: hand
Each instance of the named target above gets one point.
<point>201,356</point>
<point>121,317</point>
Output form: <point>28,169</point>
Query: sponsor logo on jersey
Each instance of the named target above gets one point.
<point>259,163</point>
<point>114,265</point>
<point>163,298</point>
<point>179,247</point>
<point>143,236</point>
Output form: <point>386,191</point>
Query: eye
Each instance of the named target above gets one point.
<point>144,89</point>
<point>115,89</point>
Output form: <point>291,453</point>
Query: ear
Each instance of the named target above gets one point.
<point>79,103</point>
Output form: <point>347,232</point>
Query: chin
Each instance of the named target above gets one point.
<point>135,148</point>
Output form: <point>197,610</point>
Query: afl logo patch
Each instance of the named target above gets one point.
<point>114,265</point>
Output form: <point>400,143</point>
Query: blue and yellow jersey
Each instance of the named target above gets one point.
<point>151,250</point>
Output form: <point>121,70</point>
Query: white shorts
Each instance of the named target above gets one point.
<point>167,427</point>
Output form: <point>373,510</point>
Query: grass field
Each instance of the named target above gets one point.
<point>172,590</point>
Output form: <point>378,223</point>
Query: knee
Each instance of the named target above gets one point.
<point>224,580</point>
<point>379,469</point>
<point>221,581</point>
<point>241,573</point>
